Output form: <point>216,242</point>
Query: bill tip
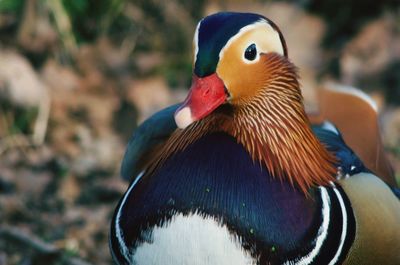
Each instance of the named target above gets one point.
<point>183,117</point>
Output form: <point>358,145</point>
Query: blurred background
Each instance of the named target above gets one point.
<point>77,76</point>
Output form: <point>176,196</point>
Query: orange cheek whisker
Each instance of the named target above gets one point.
<point>272,126</point>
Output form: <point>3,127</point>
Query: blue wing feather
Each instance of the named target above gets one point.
<point>159,127</point>
<point>349,163</point>
<point>152,132</point>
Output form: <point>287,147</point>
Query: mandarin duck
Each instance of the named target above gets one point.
<point>237,174</point>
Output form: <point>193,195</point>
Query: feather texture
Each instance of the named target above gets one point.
<point>273,128</point>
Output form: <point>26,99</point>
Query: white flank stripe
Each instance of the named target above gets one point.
<point>322,232</point>
<point>344,227</point>
<point>120,235</point>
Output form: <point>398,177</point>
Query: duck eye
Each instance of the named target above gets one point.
<point>251,52</point>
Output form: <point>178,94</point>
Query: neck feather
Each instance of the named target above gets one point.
<point>275,130</point>
<point>273,127</point>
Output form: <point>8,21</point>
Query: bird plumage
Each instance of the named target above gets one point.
<point>262,211</point>
<point>356,116</point>
<point>213,33</point>
<point>246,179</point>
<point>148,137</point>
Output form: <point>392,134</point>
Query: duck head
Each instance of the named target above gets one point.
<point>231,51</point>
<point>240,61</point>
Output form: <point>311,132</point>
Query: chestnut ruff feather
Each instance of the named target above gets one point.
<point>272,126</point>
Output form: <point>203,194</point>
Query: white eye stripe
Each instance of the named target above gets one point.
<point>273,39</point>
<point>240,33</point>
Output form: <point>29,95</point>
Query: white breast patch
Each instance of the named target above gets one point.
<point>192,240</point>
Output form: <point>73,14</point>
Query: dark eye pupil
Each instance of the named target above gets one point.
<point>251,52</point>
